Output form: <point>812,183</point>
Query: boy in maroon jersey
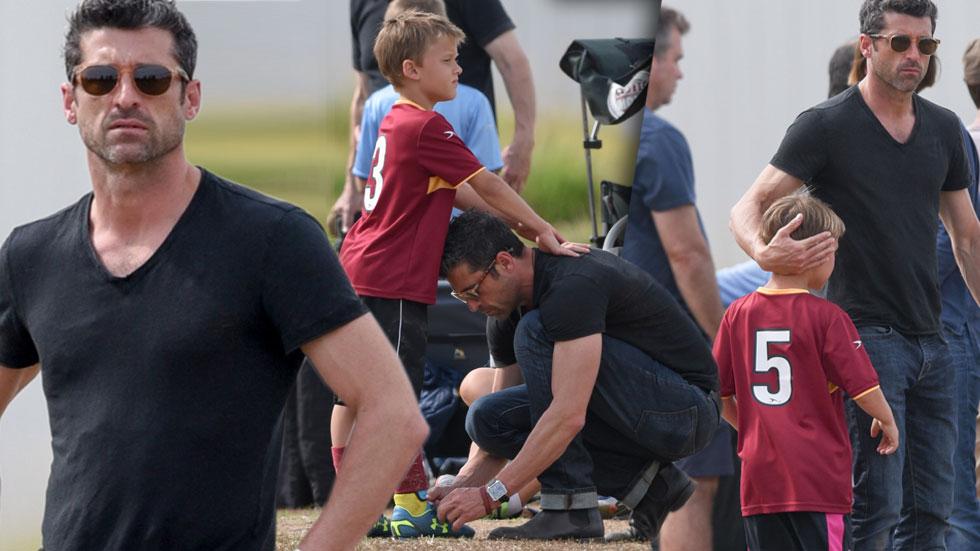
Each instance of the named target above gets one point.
<point>420,170</point>
<point>784,356</point>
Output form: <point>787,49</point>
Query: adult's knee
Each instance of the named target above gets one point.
<point>530,340</point>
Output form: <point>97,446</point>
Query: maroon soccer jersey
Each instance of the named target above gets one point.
<point>785,354</point>
<point>393,251</point>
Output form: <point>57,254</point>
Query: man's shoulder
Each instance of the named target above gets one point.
<point>41,233</point>
<point>941,114</point>
<point>657,129</point>
<point>250,200</point>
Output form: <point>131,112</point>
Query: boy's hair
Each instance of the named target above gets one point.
<point>131,15</point>
<point>396,7</point>
<point>407,36</point>
<point>474,239</point>
<point>817,217</point>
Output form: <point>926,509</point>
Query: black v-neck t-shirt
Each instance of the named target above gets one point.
<point>165,387</point>
<point>887,194</point>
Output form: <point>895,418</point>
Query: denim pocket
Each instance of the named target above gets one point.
<point>670,435</point>
<point>872,331</point>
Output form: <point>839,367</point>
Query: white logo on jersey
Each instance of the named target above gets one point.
<point>449,134</point>
<point>857,344</point>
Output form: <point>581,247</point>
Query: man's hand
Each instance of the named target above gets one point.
<point>345,208</point>
<point>550,241</point>
<point>783,254</point>
<point>517,164</point>
<point>461,506</point>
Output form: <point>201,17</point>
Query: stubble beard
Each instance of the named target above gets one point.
<point>895,79</point>
<point>155,145</point>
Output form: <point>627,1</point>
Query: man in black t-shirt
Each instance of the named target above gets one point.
<point>169,310</point>
<point>890,163</point>
<point>490,37</point>
<point>618,379</point>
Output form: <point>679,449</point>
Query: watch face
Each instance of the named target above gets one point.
<point>497,490</point>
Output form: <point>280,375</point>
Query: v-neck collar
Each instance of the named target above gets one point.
<point>881,127</point>
<point>86,236</point>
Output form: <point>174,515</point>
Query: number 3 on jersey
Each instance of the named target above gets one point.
<point>764,363</point>
<point>373,190</point>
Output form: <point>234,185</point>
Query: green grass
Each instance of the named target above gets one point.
<point>299,155</point>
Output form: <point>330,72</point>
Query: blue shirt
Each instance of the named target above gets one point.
<point>664,180</point>
<point>959,308</point>
<point>469,113</point>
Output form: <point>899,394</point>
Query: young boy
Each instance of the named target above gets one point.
<point>784,357</point>
<point>420,168</point>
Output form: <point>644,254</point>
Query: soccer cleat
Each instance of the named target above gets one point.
<point>381,528</point>
<point>414,517</point>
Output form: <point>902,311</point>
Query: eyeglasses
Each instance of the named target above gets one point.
<point>901,42</point>
<point>471,292</point>
<point>152,80</point>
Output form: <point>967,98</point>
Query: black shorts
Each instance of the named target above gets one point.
<point>406,324</point>
<point>798,531</point>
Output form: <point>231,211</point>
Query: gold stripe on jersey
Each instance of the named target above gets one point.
<point>436,183</point>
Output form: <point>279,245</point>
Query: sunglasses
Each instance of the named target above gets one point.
<point>152,80</point>
<point>901,42</point>
<point>471,292</point>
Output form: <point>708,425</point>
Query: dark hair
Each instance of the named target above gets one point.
<point>872,15</point>
<point>130,14</point>
<point>817,217</point>
<point>840,68</point>
<point>974,93</point>
<point>669,19</point>
<point>475,238</point>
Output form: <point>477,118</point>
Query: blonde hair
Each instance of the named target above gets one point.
<point>407,36</point>
<point>817,217</point>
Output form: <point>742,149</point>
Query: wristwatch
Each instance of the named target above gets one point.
<point>497,491</point>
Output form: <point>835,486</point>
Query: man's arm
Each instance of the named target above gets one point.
<point>515,69</point>
<point>357,361</point>
<point>13,381</point>
<point>575,366</point>
<point>961,223</point>
<point>351,198</point>
<point>690,261</point>
<point>783,254</point>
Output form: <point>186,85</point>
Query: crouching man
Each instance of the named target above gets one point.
<point>618,380</point>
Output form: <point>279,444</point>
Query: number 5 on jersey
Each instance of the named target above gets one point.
<point>764,363</point>
<point>372,191</point>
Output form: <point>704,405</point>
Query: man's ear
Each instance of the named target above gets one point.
<point>68,102</point>
<point>506,261</point>
<point>192,99</point>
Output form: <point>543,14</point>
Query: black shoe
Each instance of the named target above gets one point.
<point>577,524</point>
<point>632,533</point>
<point>670,490</point>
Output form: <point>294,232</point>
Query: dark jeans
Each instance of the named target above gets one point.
<point>964,522</point>
<point>902,501</point>
<point>640,413</point>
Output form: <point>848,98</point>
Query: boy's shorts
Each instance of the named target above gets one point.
<point>803,531</point>
<point>406,324</point>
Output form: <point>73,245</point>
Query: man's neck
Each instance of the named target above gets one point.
<point>525,272</point>
<point>885,101</point>
<point>976,122</point>
<point>136,199</point>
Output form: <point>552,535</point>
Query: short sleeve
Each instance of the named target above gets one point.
<point>484,20</point>
<point>443,153</point>
<point>305,291</point>
<point>480,134</point>
<point>960,174</point>
<point>722,352</point>
<point>664,175</point>
<point>845,360</point>
<point>17,348</point>
<point>803,151</point>
<point>368,138</point>
<point>574,307</point>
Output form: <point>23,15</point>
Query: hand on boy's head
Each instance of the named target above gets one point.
<point>889,436</point>
<point>785,255</point>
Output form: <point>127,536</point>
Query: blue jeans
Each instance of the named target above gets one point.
<point>964,522</point>
<point>902,501</point>
<point>640,412</point>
